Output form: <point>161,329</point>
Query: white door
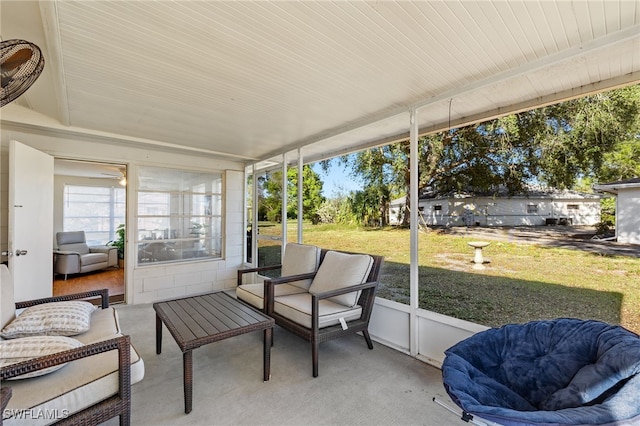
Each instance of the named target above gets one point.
<point>30,221</point>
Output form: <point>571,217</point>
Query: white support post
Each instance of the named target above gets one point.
<point>413,220</point>
<point>300,204</point>
<point>283,212</point>
<point>254,218</point>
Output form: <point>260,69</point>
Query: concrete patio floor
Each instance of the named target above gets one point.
<point>356,386</point>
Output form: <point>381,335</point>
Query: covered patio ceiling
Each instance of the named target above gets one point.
<point>249,80</point>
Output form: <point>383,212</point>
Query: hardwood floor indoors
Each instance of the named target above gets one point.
<point>112,278</point>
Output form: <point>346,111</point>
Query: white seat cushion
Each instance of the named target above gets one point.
<point>104,325</point>
<point>253,294</point>
<point>297,307</point>
<point>339,270</point>
<point>75,387</point>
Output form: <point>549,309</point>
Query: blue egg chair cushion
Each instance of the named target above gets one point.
<point>557,372</point>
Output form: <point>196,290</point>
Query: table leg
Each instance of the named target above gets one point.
<point>158,335</point>
<point>268,340</point>
<point>188,380</point>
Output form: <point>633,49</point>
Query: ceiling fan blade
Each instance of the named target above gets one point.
<point>21,63</point>
<point>15,60</point>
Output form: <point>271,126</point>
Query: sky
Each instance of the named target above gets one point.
<point>336,181</point>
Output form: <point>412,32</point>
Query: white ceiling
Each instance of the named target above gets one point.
<point>250,80</point>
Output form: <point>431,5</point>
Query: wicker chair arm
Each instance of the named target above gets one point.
<point>122,344</point>
<point>269,287</point>
<point>241,272</point>
<point>368,287</point>
<point>344,290</point>
<point>103,294</point>
<point>291,278</point>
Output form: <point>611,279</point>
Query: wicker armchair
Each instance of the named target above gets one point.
<point>97,405</point>
<point>298,259</point>
<point>118,404</point>
<point>324,312</point>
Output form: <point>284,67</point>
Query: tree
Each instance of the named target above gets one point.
<point>596,136</point>
<point>374,166</point>
<point>592,138</point>
<point>312,197</point>
<point>269,196</point>
<point>622,163</point>
<point>270,187</point>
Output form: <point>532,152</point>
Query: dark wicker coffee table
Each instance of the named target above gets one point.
<point>200,320</point>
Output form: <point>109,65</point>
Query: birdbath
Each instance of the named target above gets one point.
<point>477,259</point>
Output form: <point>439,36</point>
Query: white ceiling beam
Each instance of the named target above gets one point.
<point>49,16</point>
<point>111,138</point>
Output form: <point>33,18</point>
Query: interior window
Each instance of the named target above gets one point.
<point>95,210</point>
<point>179,215</point>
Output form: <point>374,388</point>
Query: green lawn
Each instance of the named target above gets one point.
<point>523,282</point>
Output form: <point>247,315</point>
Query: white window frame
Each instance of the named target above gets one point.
<point>117,197</point>
<point>180,217</point>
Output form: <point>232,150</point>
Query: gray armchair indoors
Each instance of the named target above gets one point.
<point>74,256</point>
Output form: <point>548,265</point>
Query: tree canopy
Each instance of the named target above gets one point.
<point>590,139</point>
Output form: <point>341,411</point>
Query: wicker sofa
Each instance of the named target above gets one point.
<point>321,294</point>
<point>88,383</point>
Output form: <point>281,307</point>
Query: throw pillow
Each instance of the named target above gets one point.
<point>51,319</point>
<point>27,348</point>
<point>339,270</point>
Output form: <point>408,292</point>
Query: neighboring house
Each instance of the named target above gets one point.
<point>539,207</point>
<point>627,194</point>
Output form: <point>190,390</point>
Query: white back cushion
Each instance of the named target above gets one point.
<point>300,259</point>
<point>339,270</point>
<point>7,303</point>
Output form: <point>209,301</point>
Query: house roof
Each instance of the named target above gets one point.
<point>554,194</point>
<point>613,187</point>
<point>546,194</point>
<point>252,80</point>
<point>622,182</point>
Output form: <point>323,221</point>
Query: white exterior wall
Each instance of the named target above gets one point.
<point>628,215</point>
<point>394,212</point>
<point>147,283</point>
<point>489,211</point>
